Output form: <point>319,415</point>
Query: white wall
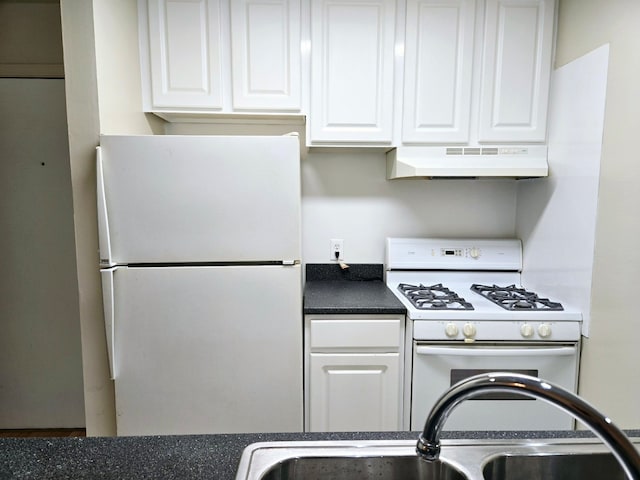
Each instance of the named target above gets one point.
<point>557,215</point>
<point>347,195</point>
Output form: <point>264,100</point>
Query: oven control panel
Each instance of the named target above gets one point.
<point>453,254</point>
<point>472,252</point>
<point>470,331</point>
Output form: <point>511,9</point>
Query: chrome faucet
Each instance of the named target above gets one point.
<point>429,442</point>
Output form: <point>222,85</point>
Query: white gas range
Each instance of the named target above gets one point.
<point>468,313</point>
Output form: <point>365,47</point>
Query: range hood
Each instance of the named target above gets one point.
<point>467,162</point>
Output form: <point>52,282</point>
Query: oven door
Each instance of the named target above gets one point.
<point>437,366</point>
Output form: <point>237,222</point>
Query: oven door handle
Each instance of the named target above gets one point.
<point>470,351</point>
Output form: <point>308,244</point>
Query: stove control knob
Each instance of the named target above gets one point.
<point>526,330</point>
<point>451,330</point>
<point>544,330</point>
<point>475,253</point>
<point>469,330</point>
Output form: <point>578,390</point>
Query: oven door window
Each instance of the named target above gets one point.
<point>459,374</point>
<point>436,366</point>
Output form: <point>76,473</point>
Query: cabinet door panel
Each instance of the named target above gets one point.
<point>353,392</point>
<point>352,70</point>
<point>266,54</point>
<point>438,71</point>
<point>516,69</point>
<point>184,52</point>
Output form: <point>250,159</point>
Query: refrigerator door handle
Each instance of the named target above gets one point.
<point>109,316</point>
<point>104,238</point>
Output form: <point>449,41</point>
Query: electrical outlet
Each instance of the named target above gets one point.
<point>336,252</point>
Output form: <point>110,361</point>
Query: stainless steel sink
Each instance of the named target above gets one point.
<point>361,468</point>
<point>564,459</point>
<point>564,466</point>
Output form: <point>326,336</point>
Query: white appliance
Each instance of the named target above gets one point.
<point>468,313</point>
<point>511,161</point>
<point>200,255</point>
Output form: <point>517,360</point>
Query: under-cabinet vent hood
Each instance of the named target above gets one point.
<point>468,162</point>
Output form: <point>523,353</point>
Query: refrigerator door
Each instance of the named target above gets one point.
<point>187,198</point>
<point>208,349</point>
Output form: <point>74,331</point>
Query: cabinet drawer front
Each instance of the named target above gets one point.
<point>348,334</point>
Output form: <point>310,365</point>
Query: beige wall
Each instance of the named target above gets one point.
<point>610,377</point>
<point>103,96</point>
<point>118,70</point>
<point>84,127</point>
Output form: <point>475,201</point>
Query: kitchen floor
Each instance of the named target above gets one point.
<point>59,432</point>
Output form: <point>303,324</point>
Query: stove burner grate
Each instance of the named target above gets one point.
<point>433,297</point>
<point>515,298</point>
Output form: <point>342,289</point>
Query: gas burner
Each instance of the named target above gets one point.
<point>515,298</point>
<point>433,297</point>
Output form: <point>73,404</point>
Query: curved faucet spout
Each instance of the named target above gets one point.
<point>428,445</point>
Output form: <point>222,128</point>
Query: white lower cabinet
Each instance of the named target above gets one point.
<point>353,372</point>
<point>354,392</point>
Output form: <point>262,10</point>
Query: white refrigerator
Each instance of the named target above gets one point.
<point>200,263</point>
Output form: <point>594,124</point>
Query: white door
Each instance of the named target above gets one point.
<point>40,346</point>
<point>437,367</point>
<point>207,349</point>
<point>176,199</point>
<point>354,392</point>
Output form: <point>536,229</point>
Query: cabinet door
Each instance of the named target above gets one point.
<point>185,53</point>
<point>352,60</point>
<point>354,392</point>
<point>265,54</point>
<point>516,68</point>
<point>438,71</point>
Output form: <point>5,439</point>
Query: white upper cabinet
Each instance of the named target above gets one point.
<point>438,71</point>
<point>352,71</point>
<point>265,54</point>
<point>221,56</point>
<point>516,68</point>
<point>428,73</point>
<point>477,71</point>
<point>184,53</point>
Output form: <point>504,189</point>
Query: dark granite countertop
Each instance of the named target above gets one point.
<point>359,289</point>
<point>184,457</point>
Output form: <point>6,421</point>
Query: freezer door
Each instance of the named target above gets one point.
<point>208,349</point>
<point>187,198</point>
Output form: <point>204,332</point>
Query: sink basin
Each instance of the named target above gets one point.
<point>565,459</point>
<point>566,467</point>
<point>361,468</point>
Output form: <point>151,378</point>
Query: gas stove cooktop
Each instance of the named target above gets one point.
<point>467,279</point>
<point>512,297</point>
<point>509,297</point>
<point>433,297</point>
